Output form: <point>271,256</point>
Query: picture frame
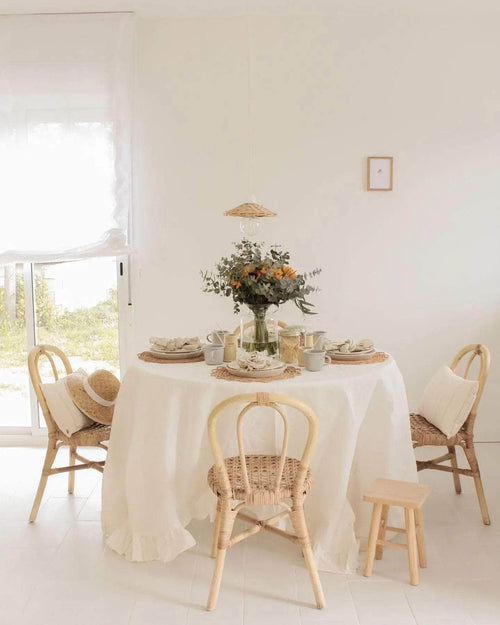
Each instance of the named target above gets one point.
<point>379,173</point>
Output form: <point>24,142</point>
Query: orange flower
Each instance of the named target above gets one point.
<point>236,283</point>
<point>288,272</point>
<point>246,271</point>
<point>278,274</point>
<point>263,269</point>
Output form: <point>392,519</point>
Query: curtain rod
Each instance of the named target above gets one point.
<point>69,13</point>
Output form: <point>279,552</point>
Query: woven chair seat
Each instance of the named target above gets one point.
<point>88,437</point>
<point>424,433</point>
<point>262,472</point>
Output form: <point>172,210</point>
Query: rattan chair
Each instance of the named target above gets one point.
<point>255,480</point>
<point>92,436</point>
<point>424,433</point>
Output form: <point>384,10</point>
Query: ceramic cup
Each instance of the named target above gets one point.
<point>314,359</point>
<point>318,338</point>
<point>216,337</point>
<point>214,354</point>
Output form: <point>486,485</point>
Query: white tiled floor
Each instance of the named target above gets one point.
<point>57,571</point>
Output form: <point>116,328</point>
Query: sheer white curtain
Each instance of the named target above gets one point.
<point>65,134</point>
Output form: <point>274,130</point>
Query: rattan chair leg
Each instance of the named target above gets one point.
<point>226,528</point>
<point>411,536</point>
<point>314,576</point>
<point>71,474</point>
<point>456,476</point>
<point>470,453</point>
<point>299,525</point>
<point>216,531</point>
<point>216,579</point>
<point>372,539</point>
<point>381,532</point>
<point>49,460</point>
<point>419,526</point>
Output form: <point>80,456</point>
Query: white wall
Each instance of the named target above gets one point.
<point>418,269</point>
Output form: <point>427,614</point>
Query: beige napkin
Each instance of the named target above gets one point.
<point>255,361</point>
<point>348,346</point>
<point>177,344</point>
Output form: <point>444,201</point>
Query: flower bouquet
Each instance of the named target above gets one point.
<point>260,278</point>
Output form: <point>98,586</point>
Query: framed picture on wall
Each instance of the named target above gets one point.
<point>379,173</point>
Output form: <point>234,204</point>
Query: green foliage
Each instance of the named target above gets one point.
<point>91,333</point>
<point>45,310</point>
<point>256,277</point>
<point>20,299</point>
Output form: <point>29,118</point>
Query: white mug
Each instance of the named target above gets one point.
<point>216,337</point>
<point>214,354</point>
<point>314,359</point>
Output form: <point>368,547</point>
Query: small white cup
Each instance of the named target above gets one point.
<point>314,359</point>
<point>214,354</point>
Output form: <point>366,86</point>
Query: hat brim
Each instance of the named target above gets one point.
<point>93,410</point>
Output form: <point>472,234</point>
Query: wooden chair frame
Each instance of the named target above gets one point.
<point>93,436</point>
<point>226,514</point>
<point>465,437</point>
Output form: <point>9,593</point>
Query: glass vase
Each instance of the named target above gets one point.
<point>259,331</point>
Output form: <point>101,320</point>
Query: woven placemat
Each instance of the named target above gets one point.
<point>377,357</point>
<point>221,373</point>
<point>148,357</point>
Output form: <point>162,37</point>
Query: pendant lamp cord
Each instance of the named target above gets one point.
<point>249,107</point>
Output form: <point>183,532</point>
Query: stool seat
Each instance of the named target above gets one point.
<point>396,493</point>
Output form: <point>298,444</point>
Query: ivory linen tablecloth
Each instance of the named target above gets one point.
<point>155,479</point>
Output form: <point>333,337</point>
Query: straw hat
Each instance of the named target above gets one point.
<point>95,395</point>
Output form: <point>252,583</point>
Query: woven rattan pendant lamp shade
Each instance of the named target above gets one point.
<point>250,210</point>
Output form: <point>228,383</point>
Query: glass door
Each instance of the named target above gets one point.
<point>72,305</point>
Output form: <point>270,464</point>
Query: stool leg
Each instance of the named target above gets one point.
<point>381,532</point>
<point>372,539</point>
<point>412,545</point>
<point>419,523</point>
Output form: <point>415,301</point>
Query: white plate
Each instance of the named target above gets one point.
<point>276,368</point>
<point>175,355</point>
<point>352,356</point>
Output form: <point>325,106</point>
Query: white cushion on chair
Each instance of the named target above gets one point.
<point>447,400</point>
<point>68,417</point>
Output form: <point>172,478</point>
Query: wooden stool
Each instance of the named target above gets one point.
<point>410,496</point>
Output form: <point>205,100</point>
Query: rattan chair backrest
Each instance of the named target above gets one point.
<point>254,400</point>
<point>51,353</point>
<point>473,351</point>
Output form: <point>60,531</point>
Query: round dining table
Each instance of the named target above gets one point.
<point>155,478</point>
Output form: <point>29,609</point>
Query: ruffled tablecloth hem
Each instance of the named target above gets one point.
<point>340,562</point>
<point>137,547</point>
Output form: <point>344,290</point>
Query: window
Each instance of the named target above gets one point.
<point>65,136</point>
